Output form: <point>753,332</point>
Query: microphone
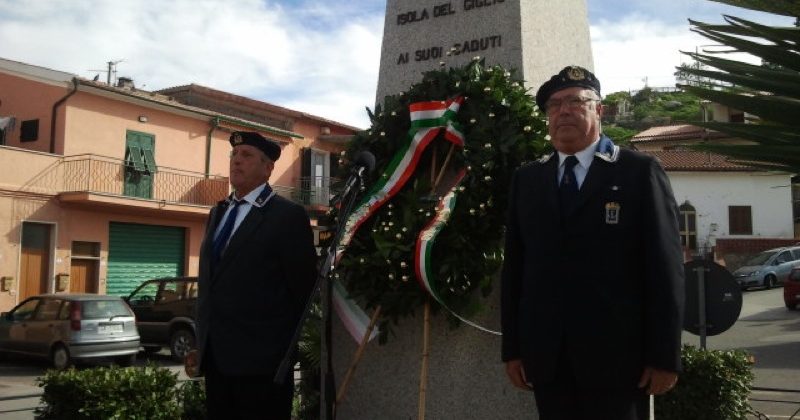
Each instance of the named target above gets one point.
<point>363,164</point>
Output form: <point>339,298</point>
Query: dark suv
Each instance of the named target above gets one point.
<point>164,311</point>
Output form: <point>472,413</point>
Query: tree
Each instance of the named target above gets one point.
<point>769,92</point>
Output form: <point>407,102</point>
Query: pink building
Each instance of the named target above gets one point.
<point>103,187</point>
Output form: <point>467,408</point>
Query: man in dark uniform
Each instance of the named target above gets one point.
<point>257,269</point>
<point>592,284</point>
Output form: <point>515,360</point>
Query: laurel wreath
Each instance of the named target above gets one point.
<point>503,129</point>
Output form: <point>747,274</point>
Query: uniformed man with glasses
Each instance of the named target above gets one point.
<point>592,284</point>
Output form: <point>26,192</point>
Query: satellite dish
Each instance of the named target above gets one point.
<point>722,301</point>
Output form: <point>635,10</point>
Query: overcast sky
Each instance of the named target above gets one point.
<point>314,56</point>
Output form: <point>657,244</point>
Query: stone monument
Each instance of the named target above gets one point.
<point>466,379</point>
<point>536,37</point>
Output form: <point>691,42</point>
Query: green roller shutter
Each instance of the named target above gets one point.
<point>141,252</point>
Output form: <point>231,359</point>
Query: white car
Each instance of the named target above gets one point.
<point>69,327</point>
<point>768,268</point>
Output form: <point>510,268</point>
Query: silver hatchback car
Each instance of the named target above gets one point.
<point>769,268</point>
<point>69,327</point>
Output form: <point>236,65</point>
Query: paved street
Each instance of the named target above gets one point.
<point>765,328</point>
<point>771,333</point>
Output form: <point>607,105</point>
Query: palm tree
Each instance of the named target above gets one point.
<point>770,91</point>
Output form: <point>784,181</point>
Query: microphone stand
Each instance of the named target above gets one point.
<point>325,287</point>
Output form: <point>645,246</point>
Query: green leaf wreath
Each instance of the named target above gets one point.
<point>502,129</point>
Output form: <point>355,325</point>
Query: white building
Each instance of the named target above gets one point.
<point>719,198</point>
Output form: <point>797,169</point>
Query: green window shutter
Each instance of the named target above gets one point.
<point>135,158</point>
<point>149,161</point>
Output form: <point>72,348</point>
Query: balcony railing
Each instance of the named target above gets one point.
<point>316,190</point>
<point>99,174</point>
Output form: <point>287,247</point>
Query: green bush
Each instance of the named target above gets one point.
<point>119,393</point>
<point>713,386</point>
<point>192,398</point>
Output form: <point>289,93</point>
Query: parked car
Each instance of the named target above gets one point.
<point>768,268</point>
<point>164,311</point>
<point>70,327</point>
<point>791,289</point>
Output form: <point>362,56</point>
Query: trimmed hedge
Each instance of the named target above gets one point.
<point>714,385</point>
<point>119,393</point>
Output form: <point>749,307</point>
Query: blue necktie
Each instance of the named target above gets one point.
<point>222,239</point>
<point>568,188</point>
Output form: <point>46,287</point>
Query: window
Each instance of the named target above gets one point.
<point>85,249</point>
<point>687,222</point>
<point>740,220</point>
<point>784,257</point>
<point>140,164</point>
<point>99,309</point>
<point>149,160</point>
<point>134,158</point>
<point>29,130</point>
<point>25,311</point>
<point>146,295</point>
<point>6,127</point>
<point>168,293</point>
<point>48,310</point>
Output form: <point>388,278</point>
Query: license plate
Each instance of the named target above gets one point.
<point>107,329</point>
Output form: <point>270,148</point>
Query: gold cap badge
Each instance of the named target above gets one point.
<point>576,73</point>
<point>237,138</point>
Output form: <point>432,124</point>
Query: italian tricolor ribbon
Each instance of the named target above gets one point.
<point>428,119</point>
<point>425,241</point>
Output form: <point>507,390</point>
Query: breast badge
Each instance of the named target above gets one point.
<point>612,213</point>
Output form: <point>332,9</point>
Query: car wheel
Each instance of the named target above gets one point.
<point>769,282</point>
<point>125,361</point>
<point>792,306</point>
<point>60,357</point>
<point>180,342</point>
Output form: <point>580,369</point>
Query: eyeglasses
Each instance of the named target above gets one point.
<point>572,102</point>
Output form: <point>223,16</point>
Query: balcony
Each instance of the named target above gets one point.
<point>98,180</point>
<point>313,192</point>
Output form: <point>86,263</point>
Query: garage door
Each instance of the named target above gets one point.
<point>141,252</point>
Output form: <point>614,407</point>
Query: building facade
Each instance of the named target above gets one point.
<point>719,199</point>
<point>103,187</point>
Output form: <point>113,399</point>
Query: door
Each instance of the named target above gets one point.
<point>14,331</point>
<point>140,166</point>
<point>142,301</point>
<point>784,264</point>
<point>83,276</point>
<point>319,178</point>
<point>44,329</point>
<point>35,259</point>
<point>137,253</point>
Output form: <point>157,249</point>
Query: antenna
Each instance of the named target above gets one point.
<point>111,73</point>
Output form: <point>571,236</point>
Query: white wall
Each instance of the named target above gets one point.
<point>768,194</point>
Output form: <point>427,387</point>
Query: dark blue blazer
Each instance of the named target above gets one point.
<point>604,293</point>
<point>250,302</point>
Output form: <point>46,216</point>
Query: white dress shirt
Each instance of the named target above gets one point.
<point>585,158</point>
<point>248,202</point>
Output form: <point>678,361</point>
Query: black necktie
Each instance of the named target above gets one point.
<point>568,188</point>
<point>222,239</point>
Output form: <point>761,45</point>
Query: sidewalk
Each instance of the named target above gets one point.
<point>18,401</point>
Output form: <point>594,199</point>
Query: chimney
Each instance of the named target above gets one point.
<point>125,83</point>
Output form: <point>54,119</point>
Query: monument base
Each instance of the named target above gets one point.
<point>466,379</point>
